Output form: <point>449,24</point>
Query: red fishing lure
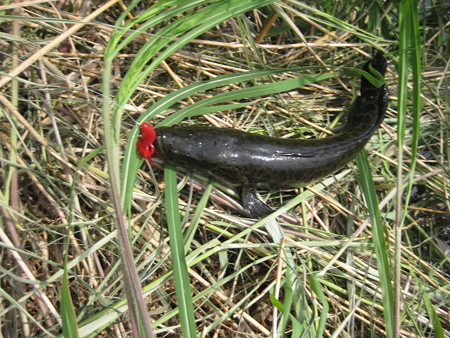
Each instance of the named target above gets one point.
<point>145,142</point>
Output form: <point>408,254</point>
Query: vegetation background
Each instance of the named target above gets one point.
<point>95,242</point>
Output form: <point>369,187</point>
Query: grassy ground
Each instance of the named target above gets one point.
<point>86,224</point>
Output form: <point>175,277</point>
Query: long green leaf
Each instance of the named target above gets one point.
<point>379,241</point>
<point>317,288</point>
<point>179,266</point>
<point>256,91</point>
<point>434,318</point>
<point>409,43</point>
<point>68,317</point>
<point>175,35</point>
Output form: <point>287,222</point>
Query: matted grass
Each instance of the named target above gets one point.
<point>87,228</point>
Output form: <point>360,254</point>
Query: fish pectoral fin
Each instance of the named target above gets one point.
<point>253,205</point>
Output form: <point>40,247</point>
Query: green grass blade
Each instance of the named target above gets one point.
<point>175,35</point>
<point>409,42</point>
<point>319,16</point>
<point>413,38</point>
<point>317,288</point>
<point>139,318</point>
<point>379,241</point>
<point>179,266</point>
<point>196,217</point>
<point>403,72</point>
<point>68,317</point>
<point>256,91</point>
<point>416,63</point>
<point>67,309</point>
<point>434,318</point>
<point>287,299</point>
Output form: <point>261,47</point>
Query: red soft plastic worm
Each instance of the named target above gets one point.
<point>145,142</point>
